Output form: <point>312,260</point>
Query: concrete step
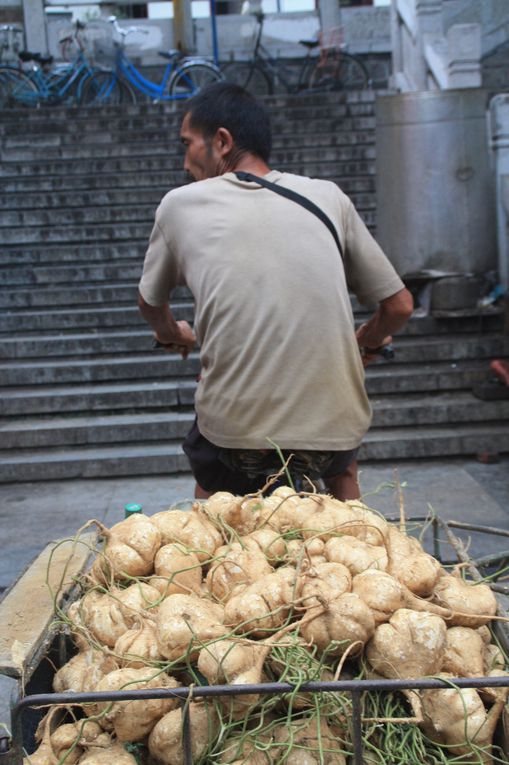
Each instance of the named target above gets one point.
<point>142,180</point>
<point>381,378</point>
<point>76,216</point>
<point>152,116</point>
<point>107,317</point>
<point>108,232</point>
<point>167,457</point>
<point>162,143</point>
<point>113,225</point>
<point>129,196</point>
<point>91,398</point>
<point>404,410</point>
<point>69,321</point>
<point>117,293</point>
<point>335,160</point>
<point>42,276</point>
<point>59,254</point>
<point>94,462</point>
<point>435,441</point>
<point>42,432</point>
<point>410,349</point>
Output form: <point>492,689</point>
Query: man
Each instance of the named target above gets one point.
<point>281,363</point>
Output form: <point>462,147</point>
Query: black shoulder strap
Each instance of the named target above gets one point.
<point>295,197</point>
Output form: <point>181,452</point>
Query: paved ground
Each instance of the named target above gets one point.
<point>31,515</point>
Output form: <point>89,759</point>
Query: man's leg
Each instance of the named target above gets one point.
<point>345,485</point>
<point>200,493</point>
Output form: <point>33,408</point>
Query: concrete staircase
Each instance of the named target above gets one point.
<point>82,393</point>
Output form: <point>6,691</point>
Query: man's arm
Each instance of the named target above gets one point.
<point>392,315</point>
<point>176,336</point>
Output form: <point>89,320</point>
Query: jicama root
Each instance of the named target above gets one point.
<point>343,623</point>
<point>189,528</point>
<point>66,742</point>
<point>242,515</point>
<point>355,554</point>
<point>113,755</point>
<point>267,541</point>
<point>324,581</point>
<point>83,671</point>
<point>353,518</point>
<point>457,719</point>
<point>165,739</point>
<point>109,615</point>
<point>233,565</point>
<point>304,555</point>
<point>130,550</point>
<point>472,605</point>
<point>307,742</point>
<point>235,663</point>
<point>101,615</point>
<point>409,564</point>
<point>385,595</point>
<point>464,652</point>
<point>138,646</point>
<point>185,623</point>
<point>133,720</point>
<point>263,606</point>
<point>411,645</point>
<point>176,570</point>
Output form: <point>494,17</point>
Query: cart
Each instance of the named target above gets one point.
<point>32,646</point>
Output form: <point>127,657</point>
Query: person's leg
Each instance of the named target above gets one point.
<point>345,485</point>
<point>200,493</point>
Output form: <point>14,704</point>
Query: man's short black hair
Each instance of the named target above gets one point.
<point>226,105</point>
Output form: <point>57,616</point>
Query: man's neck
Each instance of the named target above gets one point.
<point>250,164</point>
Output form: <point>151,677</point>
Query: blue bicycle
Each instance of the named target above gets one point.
<point>183,76</point>
<point>46,82</point>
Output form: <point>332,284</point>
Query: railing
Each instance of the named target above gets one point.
<point>427,58</point>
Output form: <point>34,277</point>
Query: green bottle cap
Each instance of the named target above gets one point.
<point>131,508</point>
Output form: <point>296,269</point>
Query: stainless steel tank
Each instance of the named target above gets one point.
<point>435,183</point>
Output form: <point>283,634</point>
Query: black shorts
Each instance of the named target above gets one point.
<point>245,471</point>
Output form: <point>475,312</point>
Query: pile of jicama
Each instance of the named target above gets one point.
<point>292,587</point>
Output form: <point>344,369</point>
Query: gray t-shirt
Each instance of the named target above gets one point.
<point>272,311</point>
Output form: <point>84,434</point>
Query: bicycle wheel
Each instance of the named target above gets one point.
<point>17,90</point>
<point>339,71</point>
<point>249,76</point>
<point>192,77</point>
<point>105,88</point>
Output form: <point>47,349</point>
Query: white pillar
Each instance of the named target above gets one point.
<point>36,34</point>
<point>464,42</point>
<point>330,14</point>
<point>183,37</point>
<point>499,118</point>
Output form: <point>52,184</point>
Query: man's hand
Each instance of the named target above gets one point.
<point>182,340</point>
<point>369,354</point>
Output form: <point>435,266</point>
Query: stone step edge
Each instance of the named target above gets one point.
<point>163,448</point>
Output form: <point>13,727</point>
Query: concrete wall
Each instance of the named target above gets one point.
<point>367,31</point>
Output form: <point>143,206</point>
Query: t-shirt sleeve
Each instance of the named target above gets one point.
<point>160,268</point>
<point>370,274</point>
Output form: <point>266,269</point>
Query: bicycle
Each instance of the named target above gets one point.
<point>183,76</point>
<point>45,82</point>
<point>336,69</point>
<point>333,69</point>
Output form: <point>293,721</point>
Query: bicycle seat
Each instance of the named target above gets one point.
<point>171,55</point>
<point>25,55</point>
<point>310,43</point>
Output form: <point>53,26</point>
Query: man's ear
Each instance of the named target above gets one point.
<point>224,141</point>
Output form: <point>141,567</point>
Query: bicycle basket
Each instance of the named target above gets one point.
<point>104,51</point>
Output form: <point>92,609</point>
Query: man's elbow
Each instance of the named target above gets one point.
<point>400,305</point>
